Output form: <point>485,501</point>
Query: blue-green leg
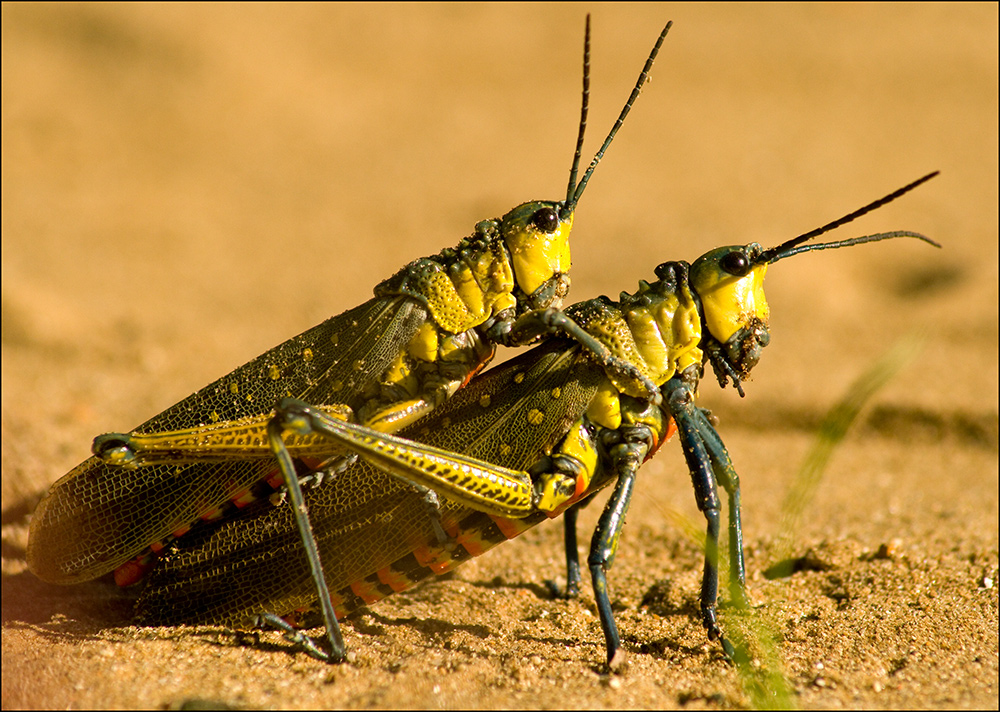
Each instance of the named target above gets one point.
<point>701,446</point>
<point>626,455</point>
<point>572,552</point>
<point>726,476</point>
<point>288,417</point>
<point>602,555</point>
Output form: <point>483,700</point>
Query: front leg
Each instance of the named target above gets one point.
<point>726,475</point>
<point>698,439</point>
<point>554,322</point>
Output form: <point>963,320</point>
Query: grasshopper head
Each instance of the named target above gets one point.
<point>730,283</point>
<point>537,233</point>
<point>537,238</point>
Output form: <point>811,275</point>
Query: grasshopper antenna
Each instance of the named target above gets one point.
<point>584,107</point>
<point>574,191</point>
<point>787,249</point>
<point>853,241</point>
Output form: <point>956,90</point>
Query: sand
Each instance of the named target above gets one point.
<point>185,187</point>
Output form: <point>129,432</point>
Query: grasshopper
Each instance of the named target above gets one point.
<point>386,363</point>
<point>532,439</point>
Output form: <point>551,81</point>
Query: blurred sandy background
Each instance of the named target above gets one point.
<point>186,186</point>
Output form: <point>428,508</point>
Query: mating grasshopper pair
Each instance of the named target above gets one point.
<point>187,500</point>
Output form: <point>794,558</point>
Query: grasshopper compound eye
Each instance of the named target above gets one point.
<point>736,263</point>
<point>546,219</point>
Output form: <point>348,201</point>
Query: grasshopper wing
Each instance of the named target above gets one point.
<point>99,516</point>
<point>376,534</point>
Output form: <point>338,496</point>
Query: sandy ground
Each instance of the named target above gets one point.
<point>184,187</point>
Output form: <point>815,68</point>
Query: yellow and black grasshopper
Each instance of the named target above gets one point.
<point>531,439</point>
<point>387,363</point>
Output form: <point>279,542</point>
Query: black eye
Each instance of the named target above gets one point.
<point>545,219</point>
<point>736,263</point>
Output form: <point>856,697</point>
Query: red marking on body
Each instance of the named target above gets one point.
<point>275,479</point>
<point>510,528</point>
<point>473,542</point>
<point>432,558</point>
<point>479,367</point>
<point>243,498</point>
<point>132,571</point>
<point>441,567</point>
<point>365,591</point>
<point>212,515</point>
<point>393,579</point>
<point>671,431</point>
<point>338,605</point>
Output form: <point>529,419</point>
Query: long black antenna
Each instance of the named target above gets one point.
<point>574,192</point>
<point>785,249</point>
<point>847,243</point>
<point>583,113</point>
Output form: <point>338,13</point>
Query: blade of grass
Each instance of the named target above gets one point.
<point>761,672</point>
<point>832,431</point>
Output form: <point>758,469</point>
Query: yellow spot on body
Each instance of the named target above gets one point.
<point>234,388</point>
<point>359,365</point>
<point>214,416</point>
<point>519,378</point>
<point>485,401</point>
<point>505,449</point>
<point>556,392</point>
<point>307,355</point>
<point>535,416</point>
<point>334,339</point>
<point>274,372</point>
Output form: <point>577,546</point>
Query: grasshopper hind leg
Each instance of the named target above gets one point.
<point>296,636</point>
<point>338,651</point>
